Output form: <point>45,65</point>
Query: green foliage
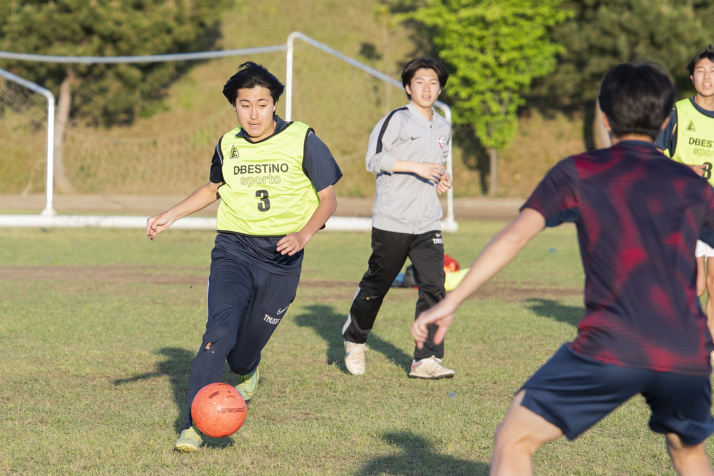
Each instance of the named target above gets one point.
<point>494,48</point>
<point>608,32</point>
<point>107,28</point>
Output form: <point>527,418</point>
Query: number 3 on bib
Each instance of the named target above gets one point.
<point>264,204</point>
<point>707,170</point>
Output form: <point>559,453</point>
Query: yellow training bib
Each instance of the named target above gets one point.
<point>266,191</point>
<point>695,138</point>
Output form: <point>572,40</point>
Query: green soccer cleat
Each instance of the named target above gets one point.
<point>247,385</point>
<point>189,441</point>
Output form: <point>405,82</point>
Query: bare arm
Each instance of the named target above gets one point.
<point>294,242</point>
<point>198,200</point>
<point>503,247</point>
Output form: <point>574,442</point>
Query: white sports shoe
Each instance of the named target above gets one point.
<point>354,357</point>
<point>430,368</point>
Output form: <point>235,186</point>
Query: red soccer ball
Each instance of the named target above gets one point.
<point>218,410</point>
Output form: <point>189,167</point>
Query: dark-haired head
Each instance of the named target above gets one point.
<point>424,63</point>
<point>706,54</point>
<point>636,99</point>
<point>250,75</point>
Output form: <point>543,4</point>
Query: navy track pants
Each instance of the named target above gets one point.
<point>245,306</point>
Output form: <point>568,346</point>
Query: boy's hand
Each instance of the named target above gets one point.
<point>442,315</point>
<point>157,224</point>
<point>698,169</point>
<point>444,184</point>
<point>292,243</point>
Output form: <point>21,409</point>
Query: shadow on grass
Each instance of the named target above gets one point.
<point>328,324</point>
<point>554,310</point>
<point>418,459</point>
<point>177,367</point>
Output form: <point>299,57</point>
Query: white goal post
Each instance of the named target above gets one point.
<point>50,218</point>
<point>49,186</point>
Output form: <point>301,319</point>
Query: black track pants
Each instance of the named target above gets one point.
<point>389,253</point>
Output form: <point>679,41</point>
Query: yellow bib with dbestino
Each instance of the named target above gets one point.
<point>266,191</point>
<point>695,138</point>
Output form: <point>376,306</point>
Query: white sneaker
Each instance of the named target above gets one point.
<point>430,368</point>
<point>354,357</point>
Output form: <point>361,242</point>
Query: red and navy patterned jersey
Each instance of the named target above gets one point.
<point>638,216</point>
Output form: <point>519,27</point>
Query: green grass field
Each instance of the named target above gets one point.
<point>99,328</point>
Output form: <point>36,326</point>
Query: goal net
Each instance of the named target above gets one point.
<point>23,133</point>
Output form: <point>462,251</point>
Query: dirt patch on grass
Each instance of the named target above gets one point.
<point>524,292</point>
<point>339,290</point>
<point>192,276</point>
<point>344,290</point>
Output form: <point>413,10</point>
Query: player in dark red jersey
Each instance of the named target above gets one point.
<point>638,216</point>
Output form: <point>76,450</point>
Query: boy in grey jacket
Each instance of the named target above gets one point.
<point>407,151</point>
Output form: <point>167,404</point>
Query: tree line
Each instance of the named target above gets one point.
<point>551,54</point>
<point>502,55</point>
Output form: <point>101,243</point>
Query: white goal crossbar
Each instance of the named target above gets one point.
<point>49,217</point>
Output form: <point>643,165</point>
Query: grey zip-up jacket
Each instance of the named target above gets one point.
<point>405,202</point>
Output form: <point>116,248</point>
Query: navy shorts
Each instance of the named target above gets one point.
<point>574,392</point>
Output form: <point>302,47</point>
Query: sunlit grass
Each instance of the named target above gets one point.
<point>100,327</point>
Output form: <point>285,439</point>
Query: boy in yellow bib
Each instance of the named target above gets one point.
<point>274,179</point>
<point>689,138</point>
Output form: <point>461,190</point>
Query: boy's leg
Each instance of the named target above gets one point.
<point>518,437</point>
<point>389,253</point>
<point>566,396</point>
<point>427,257</point>
<point>687,459</point>
<point>701,274</point>
<point>272,295</point>
<point>229,289</point>
<point>681,410</point>
<point>709,307</point>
